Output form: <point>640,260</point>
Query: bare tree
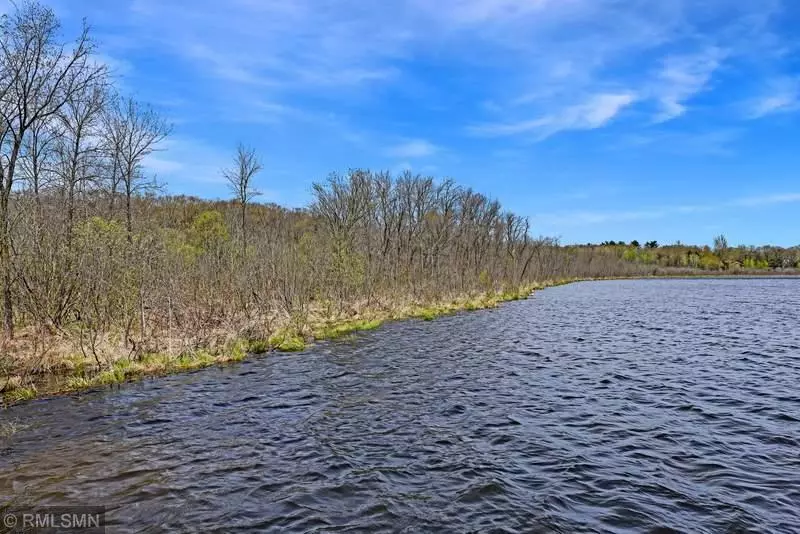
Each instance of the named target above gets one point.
<point>38,153</point>
<point>133,131</point>
<point>112,140</point>
<point>79,145</point>
<point>239,176</point>
<point>38,75</point>
<point>720,243</point>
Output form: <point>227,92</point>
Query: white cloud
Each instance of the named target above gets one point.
<point>414,148</point>
<point>599,110</point>
<point>781,96</point>
<point>546,66</point>
<point>767,200</point>
<point>160,165</point>
<point>220,65</point>
<point>273,43</point>
<point>594,113</point>
<point>116,66</point>
<point>711,142</point>
<point>683,77</point>
<point>471,12</point>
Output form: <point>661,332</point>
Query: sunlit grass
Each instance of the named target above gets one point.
<point>258,346</point>
<point>195,359</point>
<point>336,331</point>
<point>19,394</point>
<point>77,383</point>
<point>287,341</point>
<point>125,370</point>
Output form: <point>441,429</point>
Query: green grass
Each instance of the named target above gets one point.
<point>157,362</point>
<point>473,305</point>
<point>153,364</point>
<point>432,312</point>
<point>235,352</point>
<point>335,331</point>
<point>19,395</point>
<point>428,314</point>
<point>258,346</point>
<point>194,360</point>
<point>116,375</point>
<point>150,364</point>
<point>77,383</point>
<point>287,341</point>
<point>511,295</point>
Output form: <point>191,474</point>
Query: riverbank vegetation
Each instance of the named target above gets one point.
<point>105,278</point>
<point>720,257</point>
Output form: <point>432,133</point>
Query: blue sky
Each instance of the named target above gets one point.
<point>599,119</point>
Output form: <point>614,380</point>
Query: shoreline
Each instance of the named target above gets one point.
<point>153,365</point>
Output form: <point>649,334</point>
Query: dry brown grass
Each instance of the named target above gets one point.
<point>35,364</point>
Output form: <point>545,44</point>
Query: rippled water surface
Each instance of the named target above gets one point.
<point>628,406</point>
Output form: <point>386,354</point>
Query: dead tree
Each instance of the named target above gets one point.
<point>240,177</point>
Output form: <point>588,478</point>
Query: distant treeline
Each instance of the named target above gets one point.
<point>721,257</point>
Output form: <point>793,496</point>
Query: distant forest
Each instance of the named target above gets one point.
<point>720,257</point>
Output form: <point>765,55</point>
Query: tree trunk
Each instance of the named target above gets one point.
<point>128,216</point>
<point>5,242</point>
<point>5,260</point>
<point>113,192</point>
<point>70,213</point>
<point>244,229</point>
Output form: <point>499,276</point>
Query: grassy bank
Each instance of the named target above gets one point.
<point>74,372</point>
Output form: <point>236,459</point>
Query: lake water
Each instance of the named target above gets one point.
<point>624,406</point>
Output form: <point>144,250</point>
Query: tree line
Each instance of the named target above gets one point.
<point>719,257</point>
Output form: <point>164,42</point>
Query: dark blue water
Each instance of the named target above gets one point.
<point>626,406</point>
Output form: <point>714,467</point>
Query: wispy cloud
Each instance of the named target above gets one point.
<point>766,200</point>
<point>596,112</point>
<point>683,77</point>
<point>246,70</point>
<point>781,96</point>
<point>546,66</point>
<point>586,218</point>
<point>711,142</point>
<point>303,44</point>
<point>414,148</point>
